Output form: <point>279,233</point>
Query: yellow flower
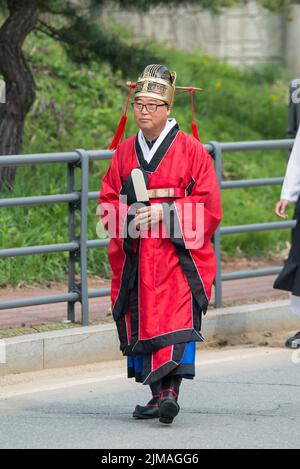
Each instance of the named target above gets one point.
<point>218,85</point>
<point>206,58</point>
<point>274,98</point>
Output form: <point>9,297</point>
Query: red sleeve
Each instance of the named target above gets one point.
<point>109,198</point>
<point>116,215</point>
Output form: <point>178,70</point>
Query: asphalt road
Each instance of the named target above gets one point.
<point>241,398</point>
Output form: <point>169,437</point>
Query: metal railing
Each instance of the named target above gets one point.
<point>78,245</point>
<point>217,149</point>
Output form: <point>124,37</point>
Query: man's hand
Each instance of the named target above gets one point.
<point>148,216</point>
<point>281,207</point>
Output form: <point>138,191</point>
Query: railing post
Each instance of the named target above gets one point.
<point>84,164</point>
<point>217,155</point>
<point>73,255</point>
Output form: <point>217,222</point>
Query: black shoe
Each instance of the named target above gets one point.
<point>293,342</point>
<point>149,411</point>
<point>169,407</point>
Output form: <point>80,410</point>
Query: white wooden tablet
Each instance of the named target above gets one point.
<point>139,185</point>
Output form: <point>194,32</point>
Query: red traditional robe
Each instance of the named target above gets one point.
<point>162,284</point>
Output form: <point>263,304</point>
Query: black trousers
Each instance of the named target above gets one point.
<point>296,217</point>
<point>289,277</point>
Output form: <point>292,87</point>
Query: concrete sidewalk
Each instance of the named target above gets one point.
<point>83,345</point>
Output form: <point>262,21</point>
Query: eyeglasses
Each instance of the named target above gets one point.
<point>149,107</point>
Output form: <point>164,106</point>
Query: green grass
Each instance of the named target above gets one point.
<point>17,331</point>
<point>80,106</point>
<point>48,327</point>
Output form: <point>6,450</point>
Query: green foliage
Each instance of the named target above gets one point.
<point>86,37</point>
<point>79,106</point>
<point>213,5</point>
<point>283,6</point>
<point>145,5</point>
<point>93,42</point>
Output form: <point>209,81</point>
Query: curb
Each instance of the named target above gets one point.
<point>91,344</point>
<point>246,319</point>
<point>76,346</point>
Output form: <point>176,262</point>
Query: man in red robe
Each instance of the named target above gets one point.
<point>161,255</point>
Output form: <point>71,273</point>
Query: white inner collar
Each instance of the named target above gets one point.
<point>149,153</point>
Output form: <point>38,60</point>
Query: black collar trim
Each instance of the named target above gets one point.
<point>160,153</point>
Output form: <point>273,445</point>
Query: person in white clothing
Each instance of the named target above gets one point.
<point>289,278</point>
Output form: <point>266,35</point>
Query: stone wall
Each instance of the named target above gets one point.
<point>292,50</point>
<point>245,35</point>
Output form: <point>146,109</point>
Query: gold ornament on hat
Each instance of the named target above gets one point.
<point>156,82</point>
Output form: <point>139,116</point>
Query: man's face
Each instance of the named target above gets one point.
<point>151,122</point>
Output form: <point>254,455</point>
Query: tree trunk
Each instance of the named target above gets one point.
<point>20,85</point>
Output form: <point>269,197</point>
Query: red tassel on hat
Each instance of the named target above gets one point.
<point>195,131</point>
<point>118,137</point>
<point>194,124</point>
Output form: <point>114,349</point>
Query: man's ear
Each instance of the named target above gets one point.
<point>168,111</point>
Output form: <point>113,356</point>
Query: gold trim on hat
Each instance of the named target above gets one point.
<point>158,88</point>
